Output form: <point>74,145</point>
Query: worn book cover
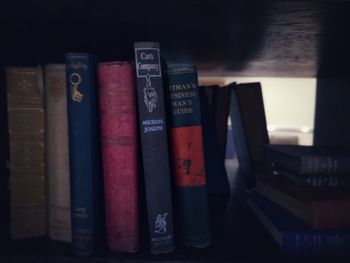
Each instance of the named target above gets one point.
<point>26,131</point>
<point>116,85</point>
<point>57,153</point>
<point>186,143</point>
<point>84,153</point>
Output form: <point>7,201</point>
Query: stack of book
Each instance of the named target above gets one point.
<point>304,201</point>
<point>82,133</point>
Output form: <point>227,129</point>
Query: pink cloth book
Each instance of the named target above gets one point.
<point>119,153</point>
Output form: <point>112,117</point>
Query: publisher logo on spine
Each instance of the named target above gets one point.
<point>161,223</point>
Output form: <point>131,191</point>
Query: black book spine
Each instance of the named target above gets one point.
<point>154,144</point>
<point>4,158</point>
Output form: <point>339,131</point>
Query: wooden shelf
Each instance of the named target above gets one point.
<point>258,38</point>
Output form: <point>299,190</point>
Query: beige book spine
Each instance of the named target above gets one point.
<point>27,166</point>
<point>57,158</point>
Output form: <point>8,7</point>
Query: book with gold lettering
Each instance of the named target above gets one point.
<point>57,153</point>
<point>27,147</point>
<point>154,144</point>
<point>84,152</point>
<point>186,143</point>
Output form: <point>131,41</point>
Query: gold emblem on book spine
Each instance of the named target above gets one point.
<point>75,81</point>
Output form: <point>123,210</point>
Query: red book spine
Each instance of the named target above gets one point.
<point>119,153</point>
<point>188,154</point>
<point>331,214</point>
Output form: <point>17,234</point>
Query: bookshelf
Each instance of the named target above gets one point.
<point>259,38</point>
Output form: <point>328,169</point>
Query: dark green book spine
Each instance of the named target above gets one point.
<point>187,149</point>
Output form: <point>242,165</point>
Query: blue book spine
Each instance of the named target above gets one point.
<point>239,137</point>
<point>83,150</point>
<point>293,235</point>
<point>313,243</point>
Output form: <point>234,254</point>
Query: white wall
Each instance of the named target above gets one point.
<point>289,104</point>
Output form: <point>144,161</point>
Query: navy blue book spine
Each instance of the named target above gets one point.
<point>82,110</point>
<point>297,238</point>
<point>185,129</point>
<point>154,144</point>
<point>239,137</point>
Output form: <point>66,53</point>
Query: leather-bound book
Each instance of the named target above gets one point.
<point>116,81</point>
<point>154,144</point>
<point>57,153</point>
<point>184,121</point>
<point>26,162</point>
<point>84,152</point>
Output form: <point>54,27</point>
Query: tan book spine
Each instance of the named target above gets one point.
<point>57,157</point>
<point>27,149</point>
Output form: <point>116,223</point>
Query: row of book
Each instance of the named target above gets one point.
<point>299,193</point>
<point>84,134</point>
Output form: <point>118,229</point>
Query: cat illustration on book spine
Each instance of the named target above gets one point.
<point>150,94</point>
<point>154,146</point>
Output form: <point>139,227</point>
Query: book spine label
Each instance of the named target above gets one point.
<point>27,147</point>
<point>119,153</point>
<point>83,149</point>
<point>188,155</point>
<point>57,157</point>
<point>315,244</point>
<point>153,132</point>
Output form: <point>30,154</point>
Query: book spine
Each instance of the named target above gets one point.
<point>217,181</point>
<point>4,158</point>
<point>83,150</point>
<point>333,214</point>
<point>313,180</point>
<point>188,155</point>
<point>239,136</point>
<point>119,153</point>
<point>27,165</point>
<point>154,143</point>
<point>327,165</point>
<point>57,157</point>
<point>316,244</point>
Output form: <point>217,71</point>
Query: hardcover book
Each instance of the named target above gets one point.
<point>249,128</point>
<point>84,151</point>
<point>313,180</point>
<point>294,236</point>
<point>239,137</point>
<point>188,155</point>
<point>119,153</point>
<point>320,208</point>
<point>57,153</point>
<point>214,151</point>
<point>309,160</point>
<point>154,144</point>
<point>27,148</point>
